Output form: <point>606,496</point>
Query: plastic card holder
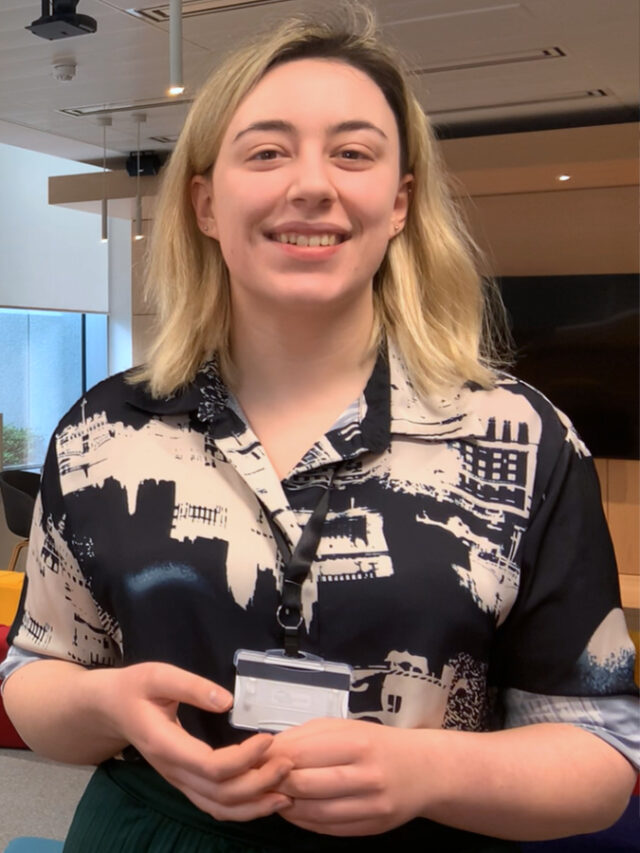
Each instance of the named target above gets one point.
<point>274,692</point>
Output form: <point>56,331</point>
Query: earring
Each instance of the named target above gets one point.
<point>396,227</point>
<point>205,227</point>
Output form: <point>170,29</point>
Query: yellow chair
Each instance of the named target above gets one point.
<point>10,590</point>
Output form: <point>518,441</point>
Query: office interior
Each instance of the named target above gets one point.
<point>535,106</point>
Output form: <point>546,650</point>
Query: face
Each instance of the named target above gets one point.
<point>306,191</point>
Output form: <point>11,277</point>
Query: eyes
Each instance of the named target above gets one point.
<point>346,156</point>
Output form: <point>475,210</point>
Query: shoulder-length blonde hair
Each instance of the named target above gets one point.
<point>428,293</point>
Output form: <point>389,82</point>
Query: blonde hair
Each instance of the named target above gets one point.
<point>428,292</point>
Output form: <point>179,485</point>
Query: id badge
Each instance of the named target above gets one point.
<point>274,691</point>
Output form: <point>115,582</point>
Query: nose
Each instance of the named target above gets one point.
<point>311,180</point>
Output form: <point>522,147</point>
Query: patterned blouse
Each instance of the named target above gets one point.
<point>465,569</point>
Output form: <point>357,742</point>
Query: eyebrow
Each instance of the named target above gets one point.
<point>286,127</point>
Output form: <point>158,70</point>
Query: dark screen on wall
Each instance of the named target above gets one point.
<point>577,340</point>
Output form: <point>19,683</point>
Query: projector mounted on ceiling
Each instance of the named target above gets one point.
<point>59,21</point>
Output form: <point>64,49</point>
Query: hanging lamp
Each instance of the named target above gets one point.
<point>105,122</point>
<point>176,84</point>
<point>139,118</point>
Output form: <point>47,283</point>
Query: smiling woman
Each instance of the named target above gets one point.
<point>320,506</point>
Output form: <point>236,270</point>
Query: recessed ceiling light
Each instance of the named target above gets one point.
<point>563,178</point>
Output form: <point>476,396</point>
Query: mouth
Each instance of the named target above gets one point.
<point>310,240</point>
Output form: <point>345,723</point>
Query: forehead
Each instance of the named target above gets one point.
<point>317,91</point>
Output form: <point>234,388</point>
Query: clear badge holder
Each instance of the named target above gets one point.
<point>274,691</point>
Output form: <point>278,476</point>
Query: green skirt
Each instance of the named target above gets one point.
<point>129,808</point>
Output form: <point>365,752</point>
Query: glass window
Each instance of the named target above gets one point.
<point>47,360</point>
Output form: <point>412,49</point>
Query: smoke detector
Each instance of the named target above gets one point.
<point>64,71</point>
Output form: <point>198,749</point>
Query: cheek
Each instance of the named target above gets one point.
<point>376,203</point>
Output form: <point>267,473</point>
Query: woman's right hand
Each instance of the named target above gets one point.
<point>237,782</point>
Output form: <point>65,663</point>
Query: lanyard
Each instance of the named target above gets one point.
<point>297,566</point>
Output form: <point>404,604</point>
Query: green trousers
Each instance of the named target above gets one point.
<point>129,808</point>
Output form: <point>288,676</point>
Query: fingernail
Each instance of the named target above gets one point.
<point>282,803</point>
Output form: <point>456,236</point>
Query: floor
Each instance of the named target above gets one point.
<point>37,796</point>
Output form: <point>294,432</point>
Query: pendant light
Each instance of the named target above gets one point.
<point>105,122</point>
<point>139,118</point>
<point>176,84</point>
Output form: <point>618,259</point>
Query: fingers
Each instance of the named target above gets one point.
<point>344,816</point>
<point>229,787</point>
<point>245,787</point>
<point>328,783</point>
<point>166,682</point>
<point>312,753</point>
<point>238,782</point>
<point>321,743</point>
<point>232,760</point>
<point>171,749</point>
<point>262,807</point>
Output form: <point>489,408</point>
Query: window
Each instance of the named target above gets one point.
<point>47,360</point>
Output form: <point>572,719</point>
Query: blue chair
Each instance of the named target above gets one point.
<point>34,845</point>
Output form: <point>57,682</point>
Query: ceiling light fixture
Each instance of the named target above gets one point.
<point>176,84</point>
<point>60,21</point>
<point>563,178</point>
<point>105,122</point>
<point>139,118</point>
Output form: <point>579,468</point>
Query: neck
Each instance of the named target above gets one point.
<point>298,356</point>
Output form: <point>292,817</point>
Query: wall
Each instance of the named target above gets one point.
<point>620,486</point>
<point>49,257</point>
<point>119,332</point>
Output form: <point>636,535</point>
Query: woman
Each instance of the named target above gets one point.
<point>321,338</point>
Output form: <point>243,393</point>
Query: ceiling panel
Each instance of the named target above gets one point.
<point>126,61</point>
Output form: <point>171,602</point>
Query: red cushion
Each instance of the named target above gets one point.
<point>9,737</point>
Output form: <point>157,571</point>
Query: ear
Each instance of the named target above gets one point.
<point>401,206</point>
<point>202,200</point>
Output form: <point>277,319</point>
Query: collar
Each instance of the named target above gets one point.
<point>392,405</point>
<point>206,395</point>
<point>448,415</point>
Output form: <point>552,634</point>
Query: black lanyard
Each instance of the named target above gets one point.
<point>297,566</point>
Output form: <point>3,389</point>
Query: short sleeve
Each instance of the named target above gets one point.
<point>57,615</point>
<point>566,633</point>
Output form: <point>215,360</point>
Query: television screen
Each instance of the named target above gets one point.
<point>577,340</point>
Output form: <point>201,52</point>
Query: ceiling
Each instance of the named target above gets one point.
<point>484,66</point>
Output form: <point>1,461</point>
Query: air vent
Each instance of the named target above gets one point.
<point>192,8</point>
<point>164,140</point>
<point>112,109</point>
<point>533,55</point>
<point>569,96</point>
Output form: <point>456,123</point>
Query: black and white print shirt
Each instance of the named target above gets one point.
<point>465,570</point>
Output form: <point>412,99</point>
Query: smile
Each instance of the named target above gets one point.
<point>311,240</point>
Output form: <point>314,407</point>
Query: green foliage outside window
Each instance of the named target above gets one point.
<point>20,446</point>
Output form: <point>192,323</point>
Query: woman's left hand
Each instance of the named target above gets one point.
<point>351,777</point>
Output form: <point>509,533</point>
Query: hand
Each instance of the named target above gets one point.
<point>351,777</point>
<point>230,783</point>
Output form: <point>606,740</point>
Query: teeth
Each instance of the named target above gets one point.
<point>306,240</point>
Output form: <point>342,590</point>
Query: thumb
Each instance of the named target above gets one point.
<point>168,682</point>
